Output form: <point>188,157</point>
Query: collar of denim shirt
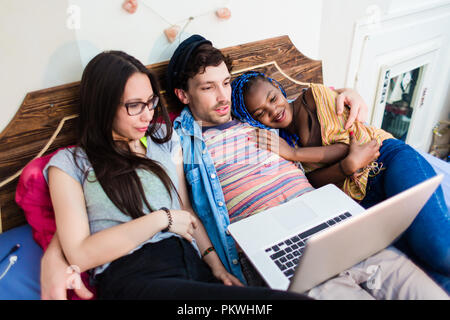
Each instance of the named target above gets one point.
<point>186,122</point>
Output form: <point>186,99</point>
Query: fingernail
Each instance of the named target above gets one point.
<point>351,133</point>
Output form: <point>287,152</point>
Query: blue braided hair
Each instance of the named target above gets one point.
<point>240,87</point>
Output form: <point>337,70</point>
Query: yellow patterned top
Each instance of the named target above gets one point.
<point>332,131</point>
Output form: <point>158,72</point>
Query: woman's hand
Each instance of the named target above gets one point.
<point>270,141</point>
<point>358,108</point>
<point>228,279</point>
<point>266,140</point>
<point>360,155</point>
<point>183,223</point>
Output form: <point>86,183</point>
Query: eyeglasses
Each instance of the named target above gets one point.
<point>136,108</point>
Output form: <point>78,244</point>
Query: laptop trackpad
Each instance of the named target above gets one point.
<point>291,217</point>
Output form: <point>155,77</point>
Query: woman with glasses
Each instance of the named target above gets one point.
<point>121,207</point>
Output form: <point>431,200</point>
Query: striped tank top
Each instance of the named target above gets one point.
<point>253,179</point>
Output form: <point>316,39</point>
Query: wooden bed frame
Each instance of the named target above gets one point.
<point>45,121</point>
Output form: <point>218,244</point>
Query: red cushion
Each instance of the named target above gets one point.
<point>33,196</point>
<point>173,115</point>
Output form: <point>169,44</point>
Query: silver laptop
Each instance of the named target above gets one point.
<point>301,243</point>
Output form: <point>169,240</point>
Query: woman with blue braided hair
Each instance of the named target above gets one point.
<point>361,155</point>
<point>365,173</point>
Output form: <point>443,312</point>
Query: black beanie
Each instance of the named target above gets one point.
<point>181,56</point>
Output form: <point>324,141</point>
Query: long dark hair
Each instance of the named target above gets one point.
<point>101,89</point>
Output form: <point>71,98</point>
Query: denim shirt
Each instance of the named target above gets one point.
<point>206,194</point>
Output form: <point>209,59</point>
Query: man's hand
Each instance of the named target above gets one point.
<point>57,276</point>
<point>228,279</point>
<point>358,108</point>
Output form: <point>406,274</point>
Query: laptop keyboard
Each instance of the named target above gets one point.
<point>286,254</point>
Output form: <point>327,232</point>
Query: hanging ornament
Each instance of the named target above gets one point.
<point>223,13</point>
<point>130,6</point>
<point>171,33</point>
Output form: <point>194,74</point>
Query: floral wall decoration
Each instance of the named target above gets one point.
<point>130,6</point>
<point>174,29</point>
<point>223,13</point>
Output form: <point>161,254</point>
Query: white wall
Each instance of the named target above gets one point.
<point>39,50</point>
<point>339,18</point>
<point>338,22</point>
<point>141,34</point>
<point>36,51</point>
<point>351,49</point>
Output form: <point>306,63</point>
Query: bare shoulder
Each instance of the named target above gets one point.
<point>308,100</point>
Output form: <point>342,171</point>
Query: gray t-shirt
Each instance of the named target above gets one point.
<point>102,213</point>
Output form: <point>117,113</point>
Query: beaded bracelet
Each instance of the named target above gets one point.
<point>210,249</point>
<point>169,216</point>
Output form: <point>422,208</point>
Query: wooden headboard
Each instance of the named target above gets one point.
<point>45,120</point>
